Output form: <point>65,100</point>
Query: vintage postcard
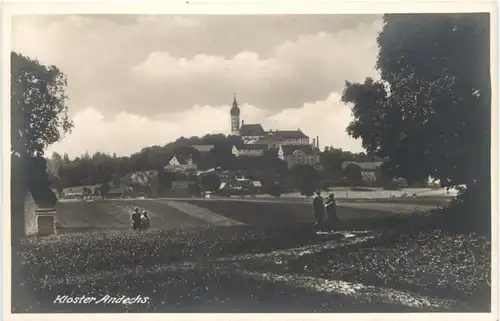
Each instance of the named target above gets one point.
<point>228,158</point>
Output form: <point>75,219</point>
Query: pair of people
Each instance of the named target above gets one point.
<point>140,221</point>
<point>326,214</point>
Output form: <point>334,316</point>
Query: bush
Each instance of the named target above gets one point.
<point>307,193</point>
<point>211,182</point>
<point>275,190</point>
<point>470,210</point>
<point>391,186</point>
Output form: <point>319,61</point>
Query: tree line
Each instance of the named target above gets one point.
<point>101,168</point>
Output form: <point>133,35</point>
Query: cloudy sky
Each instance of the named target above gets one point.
<point>137,81</point>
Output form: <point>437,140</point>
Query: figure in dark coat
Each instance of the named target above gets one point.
<point>318,210</point>
<point>136,219</point>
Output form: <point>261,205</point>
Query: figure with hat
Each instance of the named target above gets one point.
<point>136,219</point>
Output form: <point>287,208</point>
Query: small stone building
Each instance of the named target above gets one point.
<point>39,213</point>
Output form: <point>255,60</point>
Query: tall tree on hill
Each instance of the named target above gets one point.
<point>39,117</point>
<point>100,168</point>
<point>430,113</point>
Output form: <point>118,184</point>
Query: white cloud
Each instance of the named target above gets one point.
<point>295,72</point>
<point>127,133</point>
<point>135,79</point>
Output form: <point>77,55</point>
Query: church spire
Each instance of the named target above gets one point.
<point>235,111</point>
<point>235,103</point>
<point>235,118</point>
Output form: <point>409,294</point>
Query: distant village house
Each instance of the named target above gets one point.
<point>249,150</point>
<point>180,163</point>
<point>300,154</point>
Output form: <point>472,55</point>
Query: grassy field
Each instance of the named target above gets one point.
<point>424,200</point>
<point>115,215</point>
<point>379,193</point>
<point>83,216</point>
<point>279,213</point>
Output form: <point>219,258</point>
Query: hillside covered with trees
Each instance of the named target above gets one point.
<point>101,168</point>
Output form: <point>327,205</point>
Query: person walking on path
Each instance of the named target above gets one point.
<point>332,218</point>
<point>145,222</point>
<point>136,219</point>
<point>318,210</point>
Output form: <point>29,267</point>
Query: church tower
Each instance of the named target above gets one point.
<point>235,118</point>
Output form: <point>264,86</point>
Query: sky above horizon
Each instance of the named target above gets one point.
<point>141,80</point>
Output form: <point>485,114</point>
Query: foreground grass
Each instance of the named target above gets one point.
<point>65,257</point>
<point>90,252</point>
<point>430,262</point>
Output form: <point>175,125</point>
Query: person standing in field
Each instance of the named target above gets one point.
<point>318,210</point>
<point>145,220</point>
<point>332,218</point>
<point>136,219</point>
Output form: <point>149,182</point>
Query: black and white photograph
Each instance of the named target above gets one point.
<point>253,162</point>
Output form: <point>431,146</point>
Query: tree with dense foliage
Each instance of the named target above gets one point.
<point>306,179</point>
<point>100,167</point>
<point>211,182</point>
<point>39,180</point>
<point>39,114</point>
<point>352,173</point>
<point>166,178</point>
<point>39,117</point>
<point>275,189</point>
<point>332,159</point>
<point>104,189</point>
<point>429,115</point>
